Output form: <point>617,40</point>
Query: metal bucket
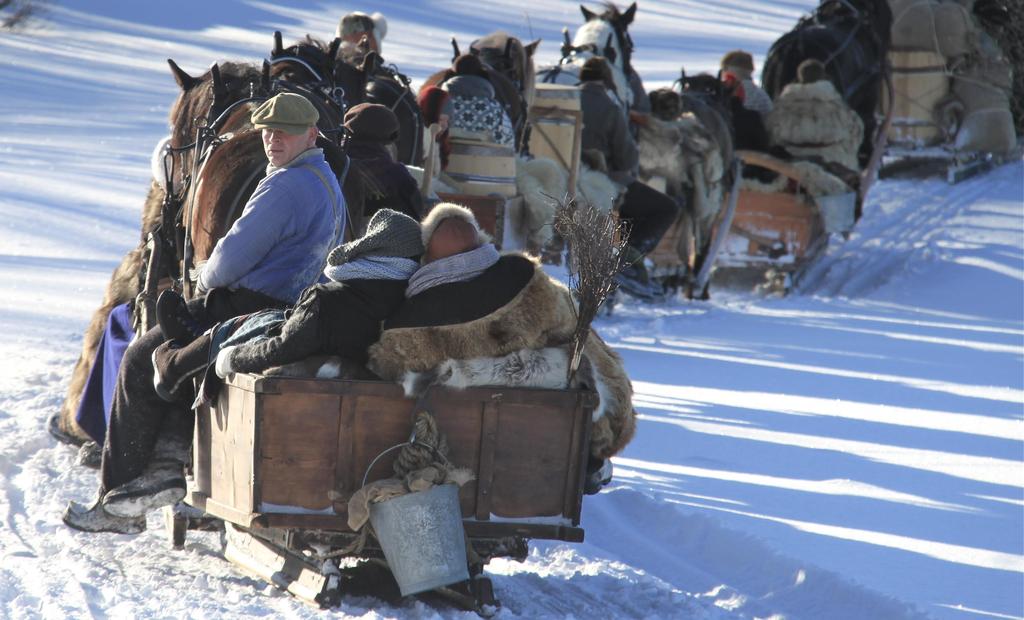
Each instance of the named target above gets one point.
<point>837,211</point>
<point>422,537</point>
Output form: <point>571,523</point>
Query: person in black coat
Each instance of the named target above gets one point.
<point>649,212</point>
<point>375,180</point>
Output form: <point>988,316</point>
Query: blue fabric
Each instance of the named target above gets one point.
<point>252,327</point>
<point>279,244</point>
<point>231,332</point>
<point>93,413</point>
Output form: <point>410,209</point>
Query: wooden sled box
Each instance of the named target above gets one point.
<point>277,452</point>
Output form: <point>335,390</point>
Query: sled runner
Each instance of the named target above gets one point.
<point>278,459</point>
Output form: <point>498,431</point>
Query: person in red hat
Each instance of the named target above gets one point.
<point>434,104</point>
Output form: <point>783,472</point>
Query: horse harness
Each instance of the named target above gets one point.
<point>859,22</point>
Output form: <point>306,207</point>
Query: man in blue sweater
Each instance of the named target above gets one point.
<point>276,248</point>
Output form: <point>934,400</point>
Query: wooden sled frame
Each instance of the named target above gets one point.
<point>528,448</point>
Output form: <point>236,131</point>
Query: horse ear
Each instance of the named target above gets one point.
<point>332,51</point>
<point>627,17</point>
<point>265,76</point>
<point>219,90</point>
<point>184,80</point>
<point>531,47</point>
<point>587,14</point>
<point>278,45</point>
<point>455,49</point>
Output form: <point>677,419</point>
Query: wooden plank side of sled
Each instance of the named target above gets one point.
<point>288,453</point>
<point>773,230</point>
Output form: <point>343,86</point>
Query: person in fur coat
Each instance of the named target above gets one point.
<point>357,26</point>
<point>474,317</point>
<point>810,119</point>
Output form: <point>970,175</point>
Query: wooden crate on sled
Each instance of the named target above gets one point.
<point>278,458</point>
<point>783,231</point>
<point>919,82</point>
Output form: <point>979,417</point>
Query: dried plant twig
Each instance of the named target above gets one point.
<point>596,242</point>
<point>16,13</point>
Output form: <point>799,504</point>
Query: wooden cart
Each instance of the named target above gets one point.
<point>278,459</point>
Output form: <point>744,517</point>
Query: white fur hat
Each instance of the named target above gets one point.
<point>357,21</point>
<point>444,210</point>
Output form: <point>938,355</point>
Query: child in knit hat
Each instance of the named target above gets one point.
<point>342,317</point>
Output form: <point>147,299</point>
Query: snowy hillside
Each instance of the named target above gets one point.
<point>855,451</point>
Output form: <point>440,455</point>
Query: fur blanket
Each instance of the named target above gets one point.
<point>685,153</point>
<point>542,182</point>
<point>812,119</point>
<point>602,371</point>
<point>496,350</point>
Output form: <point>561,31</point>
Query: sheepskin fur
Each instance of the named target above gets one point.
<point>537,368</point>
<point>598,189</point>
<point>445,210</point>
<point>615,418</point>
<point>542,183</point>
<point>812,119</point>
<point>602,371</point>
<point>514,346</point>
<point>540,314</point>
<point>685,153</point>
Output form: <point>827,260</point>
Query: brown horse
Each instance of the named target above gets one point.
<point>512,58</point>
<point>195,103</point>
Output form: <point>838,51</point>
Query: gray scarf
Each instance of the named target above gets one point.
<point>373,268</point>
<point>456,268</point>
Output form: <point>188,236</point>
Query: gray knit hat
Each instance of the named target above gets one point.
<point>389,233</point>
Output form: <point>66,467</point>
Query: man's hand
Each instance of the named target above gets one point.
<point>638,118</point>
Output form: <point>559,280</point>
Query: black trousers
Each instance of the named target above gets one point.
<point>138,417</point>
<point>650,213</point>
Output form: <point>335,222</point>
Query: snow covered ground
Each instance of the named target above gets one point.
<point>855,451</point>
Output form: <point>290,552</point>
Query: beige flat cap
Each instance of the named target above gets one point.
<point>287,111</point>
